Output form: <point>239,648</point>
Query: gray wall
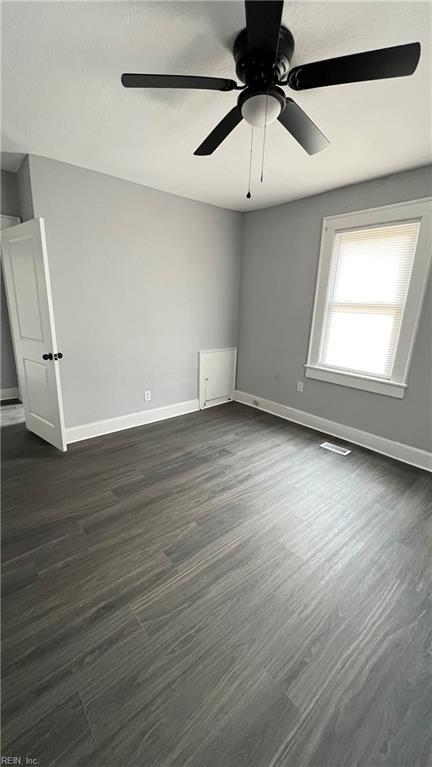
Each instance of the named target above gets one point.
<point>24,190</point>
<point>10,206</point>
<point>142,280</point>
<point>279,266</point>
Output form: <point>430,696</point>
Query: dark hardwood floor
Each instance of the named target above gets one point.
<point>215,591</point>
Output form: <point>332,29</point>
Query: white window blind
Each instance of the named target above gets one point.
<point>368,284</point>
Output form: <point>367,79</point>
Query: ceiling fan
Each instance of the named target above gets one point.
<point>262,52</point>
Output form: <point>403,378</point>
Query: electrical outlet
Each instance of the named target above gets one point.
<point>300,385</point>
<point>147,395</point>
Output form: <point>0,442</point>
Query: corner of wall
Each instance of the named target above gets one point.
<point>243,215</point>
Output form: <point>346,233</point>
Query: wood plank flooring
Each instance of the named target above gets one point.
<point>215,591</point>
<point>11,412</point>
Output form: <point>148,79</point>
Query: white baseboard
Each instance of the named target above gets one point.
<point>9,393</point>
<point>216,402</point>
<point>98,428</point>
<point>412,455</point>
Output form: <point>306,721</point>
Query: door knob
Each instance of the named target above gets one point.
<point>58,356</point>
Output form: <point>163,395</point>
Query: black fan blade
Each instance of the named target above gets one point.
<point>178,81</point>
<point>399,61</point>
<point>302,128</point>
<point>222,130</point>
<point>263,21</point>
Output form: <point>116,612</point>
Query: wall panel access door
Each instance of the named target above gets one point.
<point>217,372</point>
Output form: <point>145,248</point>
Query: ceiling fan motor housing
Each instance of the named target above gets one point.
<point>256,69</point>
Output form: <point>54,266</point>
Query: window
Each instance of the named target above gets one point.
<point>372,275</point>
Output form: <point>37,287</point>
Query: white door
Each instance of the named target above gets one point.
<point>217,370</point>
<point>28,290</point>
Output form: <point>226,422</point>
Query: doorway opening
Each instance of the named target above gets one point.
<point>11,406</point>
<point>31,317</point>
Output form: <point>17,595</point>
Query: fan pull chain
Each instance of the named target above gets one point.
<point>250,166</point>
<point>264,141</point>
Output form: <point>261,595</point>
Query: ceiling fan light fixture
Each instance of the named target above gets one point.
<point>261,110</point>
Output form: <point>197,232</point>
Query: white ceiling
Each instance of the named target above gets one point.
<point>62,96</point>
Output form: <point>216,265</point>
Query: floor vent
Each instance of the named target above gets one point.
<point>335,448</point>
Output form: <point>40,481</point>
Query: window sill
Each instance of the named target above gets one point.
<point>354,381</point>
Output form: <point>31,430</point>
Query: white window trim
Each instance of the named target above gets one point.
<point>396,386</point>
